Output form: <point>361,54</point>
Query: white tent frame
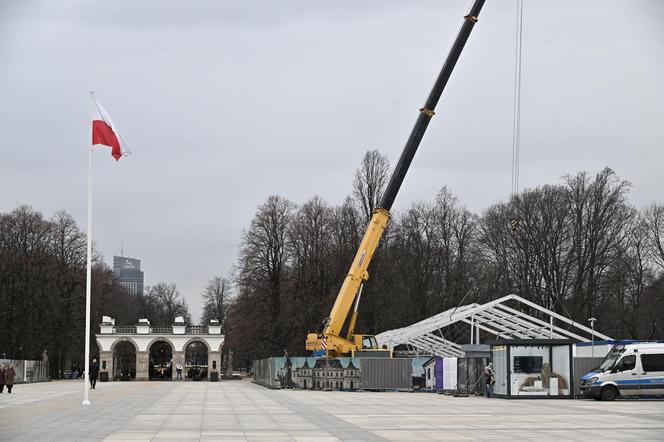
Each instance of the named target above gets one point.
<point>495,317</point>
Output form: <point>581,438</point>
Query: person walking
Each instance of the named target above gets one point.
<point>178,370</point>
<point>10,376</point>
<point>490,379</point>
<point>2,378</point>
<point>94,372</point>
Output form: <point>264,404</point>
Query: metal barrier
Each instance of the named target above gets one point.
<point>470,376</point>
<point>581,367</point>
<point>28,371</point>
<point>265,372</point>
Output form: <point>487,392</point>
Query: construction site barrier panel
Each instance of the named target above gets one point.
<point>386,373</point>
<point>581,367</point>
<point>28,371</point>
<point>320,373</point>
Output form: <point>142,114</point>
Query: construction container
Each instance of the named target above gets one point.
<point>386,373</point>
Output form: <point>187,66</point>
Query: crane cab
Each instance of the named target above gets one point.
<point>357,346</point>
<point>365,342</point>
<point>367,346</point>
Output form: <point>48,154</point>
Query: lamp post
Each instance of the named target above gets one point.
<point>592,343</point>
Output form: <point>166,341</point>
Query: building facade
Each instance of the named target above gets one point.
<point>129,273</point>
<point>144,352</point>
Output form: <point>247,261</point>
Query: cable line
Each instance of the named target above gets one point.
<point>516,128</point>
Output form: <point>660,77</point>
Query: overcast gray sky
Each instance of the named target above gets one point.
<point>226,102</point>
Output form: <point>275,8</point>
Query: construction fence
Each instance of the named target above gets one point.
<point>581,367</point>
<point>463,376</point>
<point>320,373</point>
<point>28,371</point>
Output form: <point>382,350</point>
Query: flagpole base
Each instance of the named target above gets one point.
<point>85,402</point>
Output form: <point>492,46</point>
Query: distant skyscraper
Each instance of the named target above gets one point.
<point>130,274</point>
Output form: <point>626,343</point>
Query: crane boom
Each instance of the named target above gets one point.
<point>331,338</point>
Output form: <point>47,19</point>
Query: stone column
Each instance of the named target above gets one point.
<point>214,360</point>
<point>178,356</point>
<point>142,366</point>
<point>106,363</point>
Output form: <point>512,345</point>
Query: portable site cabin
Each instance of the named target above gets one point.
<point>531,368</point>
<point>433,372</point>
<point>441,373</point>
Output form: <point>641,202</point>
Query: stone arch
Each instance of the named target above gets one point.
<point>160,359</point>
<point>99,346</point>
<point>119,340</point>
<point>124,358</point>
<point>160,338</point>
<point>196,359</point>
<point>197,339</point>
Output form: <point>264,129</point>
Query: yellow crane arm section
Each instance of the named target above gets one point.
<point>357,273</point>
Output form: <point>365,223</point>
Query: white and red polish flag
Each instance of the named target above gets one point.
<point>105,133</point>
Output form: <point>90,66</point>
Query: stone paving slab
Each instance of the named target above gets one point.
<point>240,410</point>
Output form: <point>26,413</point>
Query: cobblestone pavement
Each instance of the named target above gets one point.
<point>240,410</point>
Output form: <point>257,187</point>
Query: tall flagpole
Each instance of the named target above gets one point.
<point>88,277</point>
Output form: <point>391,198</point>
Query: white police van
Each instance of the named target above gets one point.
<point>628,370</point>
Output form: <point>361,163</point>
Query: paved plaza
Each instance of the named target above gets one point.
<point>240,410</point>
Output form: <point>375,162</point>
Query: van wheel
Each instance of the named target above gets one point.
<point>609,393</point>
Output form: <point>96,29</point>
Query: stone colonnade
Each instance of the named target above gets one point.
<point>107,343</point>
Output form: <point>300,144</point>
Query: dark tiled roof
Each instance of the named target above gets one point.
<point>323,363</point>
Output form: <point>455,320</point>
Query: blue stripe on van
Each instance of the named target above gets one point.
<point>647,381</point>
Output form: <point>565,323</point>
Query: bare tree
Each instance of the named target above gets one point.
<point>654,228</point>
<point>163,304</point>
<point>600,216</point>
<point>310,243</point>
<point>262,274</point>
<point>417,257</point>
<point>369,182</point>
<point>457,231</point>
<point>215,300</point>
<point>42,288</point>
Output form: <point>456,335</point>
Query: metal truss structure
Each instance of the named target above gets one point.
<point>496,318</point>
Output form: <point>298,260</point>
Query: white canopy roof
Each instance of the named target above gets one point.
<point>495,317</point>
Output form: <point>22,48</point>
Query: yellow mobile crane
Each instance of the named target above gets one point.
<point>331,339</point>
